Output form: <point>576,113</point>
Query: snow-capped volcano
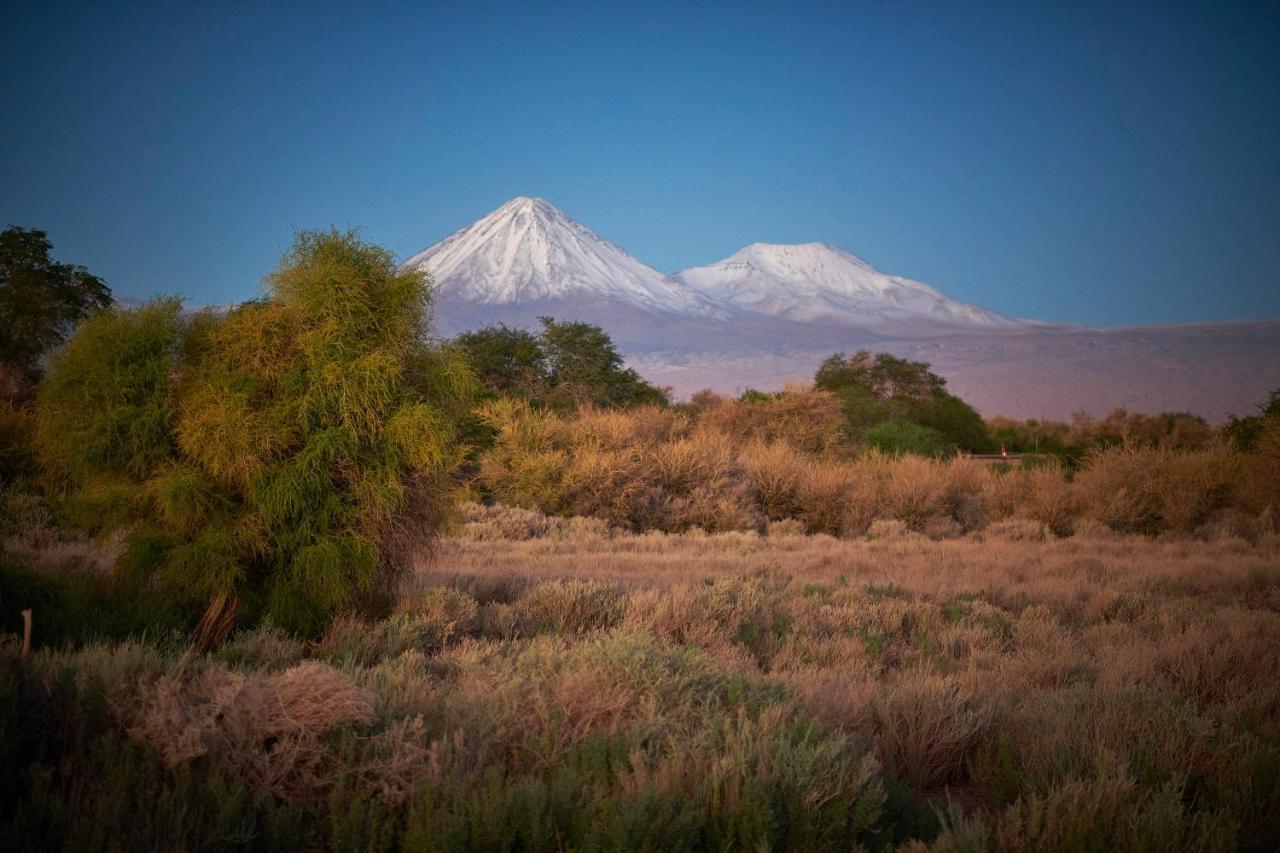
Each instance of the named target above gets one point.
<point>817,281</point>
<point>527,251</point>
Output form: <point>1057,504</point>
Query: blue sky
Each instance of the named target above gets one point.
<point>1115,163</point>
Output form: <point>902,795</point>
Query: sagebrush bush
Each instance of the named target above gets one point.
<point>1137,489</point>
<point>806,418</point>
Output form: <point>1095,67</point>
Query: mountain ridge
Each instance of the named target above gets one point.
<point>810,281</point>
<point>529,252</point>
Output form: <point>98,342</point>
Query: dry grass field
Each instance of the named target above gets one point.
<point>549,683</point>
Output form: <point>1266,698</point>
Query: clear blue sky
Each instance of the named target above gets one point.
<point>1115,163</point>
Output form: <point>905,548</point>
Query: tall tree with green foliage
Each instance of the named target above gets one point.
<point>567,364</point>
<point>883,392</point>
<point>506,360</point>
<point>282,459</point>
<point>586,367</point>
<point>41,300</point>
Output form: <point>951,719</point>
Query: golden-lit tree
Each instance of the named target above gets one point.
<point>291,452</point>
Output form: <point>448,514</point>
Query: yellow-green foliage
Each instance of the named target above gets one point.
<point>106,406</point>
<point>297,446</point>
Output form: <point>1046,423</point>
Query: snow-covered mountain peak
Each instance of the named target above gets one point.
<point>528,251</point>
<point>818,281</point>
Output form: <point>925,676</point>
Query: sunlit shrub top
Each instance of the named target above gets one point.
<point>295,448</point>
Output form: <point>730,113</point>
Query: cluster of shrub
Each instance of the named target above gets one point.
<point>740,464</point>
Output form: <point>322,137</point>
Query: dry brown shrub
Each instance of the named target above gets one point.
<point>916,489</point>
<point>502,523</point>
<point>451,612</point>
<point>404,684</point>
<point>485,523</point>
<point>683,465</point>
<point>1143,490</point>
<point>942,527</point>
<point>840,698</point>
<point>397,760</point>
<point>837,498</point>
<point>277,726</point>
<point>268,729</point>
<point>696,481</point>
<point>618,429</point>
<point>788,527</point>
<point>774,471</point>
<point>1045,654</point>
<point>1223,664</point>
<point>1193,485</point>
<point>807,419</point>
<point>525,464</point>
<point>1118,489</point>
<point>604,482</point>
<point>663,613</point>
<point>570,607</point>
<point>889,528</point>
<point>179,715</point>
<point>1257,491</point>
<point>1004,494</point>
<point>928,726</point>
<point>1015,530</point>
<point>1049,499</point>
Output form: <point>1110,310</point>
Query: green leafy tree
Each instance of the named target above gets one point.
<point>956,421</point>
<point>41,300</point>
<point>878,388</point>
<point>885,376</point>
<point>585,367</point>
<point>565,365</point>
<point>506,360</point>
<point>897,437</point>
<point>288,455</point>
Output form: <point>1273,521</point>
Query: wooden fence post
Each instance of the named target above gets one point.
<point>26,632</point>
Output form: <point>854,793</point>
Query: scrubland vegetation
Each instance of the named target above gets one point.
<point>735,465</point>
<point>550,683</point>
<point>303,578</point>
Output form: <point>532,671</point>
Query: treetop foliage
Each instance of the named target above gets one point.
<point>566,364</point>
<point>883,375</point>
<point>40,300</point>
<point>904,402</point>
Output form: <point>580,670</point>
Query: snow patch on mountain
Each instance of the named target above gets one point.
<point>528,251</point>
<point>817,281</point>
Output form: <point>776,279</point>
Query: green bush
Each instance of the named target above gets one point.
<point>897,437</point>
<point>292,452</point>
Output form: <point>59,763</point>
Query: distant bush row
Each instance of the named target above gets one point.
<point>720,469</point>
